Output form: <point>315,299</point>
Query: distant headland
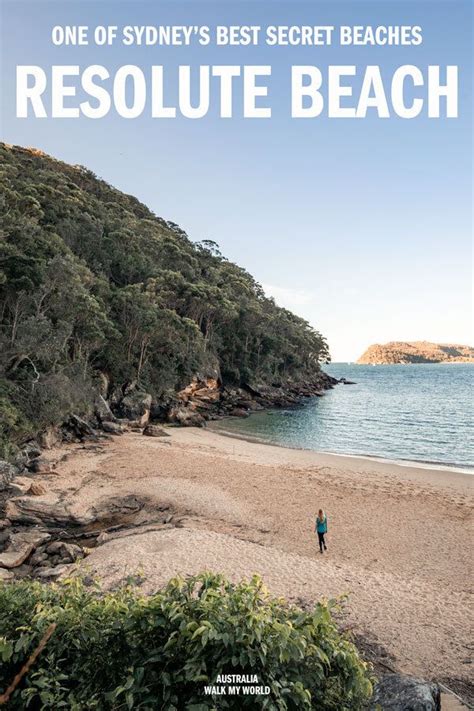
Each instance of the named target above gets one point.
<point>416,352</point>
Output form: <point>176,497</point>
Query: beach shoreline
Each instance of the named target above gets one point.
<point>218,427</point>
<point>242,508</point>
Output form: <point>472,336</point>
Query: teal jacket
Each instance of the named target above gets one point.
<point>321,526</point>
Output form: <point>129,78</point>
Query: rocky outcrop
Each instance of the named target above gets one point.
<point>207,399</point>
<point>135,406</point>
<point>395,692</point>
<point>49,511</point>
<point>79,428</point>
<point>186,416</point>
<point>416,352</point>
<point>20,547</point>
<point>102,410</point>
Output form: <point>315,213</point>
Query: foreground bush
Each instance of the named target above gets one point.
<point>123,650</point>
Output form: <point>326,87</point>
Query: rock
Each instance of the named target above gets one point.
<point>24,485</point>
<point>81,428</point>
<point>54,572</point>
<point>239,412</point>
<point>102,410</point>
<point>65,552</point>
<point>136,406</point>
<point>207,395</point>
<point>4,538</point>
<point>49,438</point>
<point>7,474</point>
<point>201,405</point>
<point>396,692</point>
<point>40,465</point>
<point>117,506</point>
<point>112,427</point>
<point>6,575</point>
<point>20,548</point>
<point>159,410</point>
<point>21,485</point>
<point>51,512</point>
<point>31,450</point>
<point>5,523</point>
<point>38,558</point>
<point>54,547</point>
<point>102,538</point>
<point>36,489</point>
<point>186,417</point>
<point>201,388</point>
<point>72,551</point>
<point>154,431</point>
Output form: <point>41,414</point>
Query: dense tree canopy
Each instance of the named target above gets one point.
<point>92,281</point>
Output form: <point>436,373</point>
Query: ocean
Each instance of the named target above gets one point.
<point>416,413</point>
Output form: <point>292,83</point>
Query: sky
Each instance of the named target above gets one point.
<point>363,227</point>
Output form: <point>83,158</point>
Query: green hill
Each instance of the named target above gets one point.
<point>94,286</point>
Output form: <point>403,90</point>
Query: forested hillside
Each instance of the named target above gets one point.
<point>93,285</point>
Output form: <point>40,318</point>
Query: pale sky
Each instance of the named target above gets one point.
<point>363,227</point>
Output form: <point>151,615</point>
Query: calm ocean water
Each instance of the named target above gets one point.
<point>419,413</point>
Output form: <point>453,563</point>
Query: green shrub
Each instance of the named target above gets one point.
<point>123,650</point>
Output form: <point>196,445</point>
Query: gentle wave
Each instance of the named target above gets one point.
<point>418,414</point>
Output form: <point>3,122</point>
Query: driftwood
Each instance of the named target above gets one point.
<point>26,667</point>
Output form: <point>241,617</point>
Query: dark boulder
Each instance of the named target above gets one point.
<point>102,410</point>
<point>31,450</point>
<point>154,431</point>
<point>160,409</point>
<point>40,465</point>
<point>5,536</point>
<point>112,427</point>
<point>395,692</point>
<point>80,428</point>
<point>135,406</point>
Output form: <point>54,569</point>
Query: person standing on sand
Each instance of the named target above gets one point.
<point>321,528</point>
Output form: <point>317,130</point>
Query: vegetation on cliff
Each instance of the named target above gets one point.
<point>124,651</point>
<point>93,283</point>
<point>416,352</point>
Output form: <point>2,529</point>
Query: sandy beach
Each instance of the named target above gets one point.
<point>398,539</point>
